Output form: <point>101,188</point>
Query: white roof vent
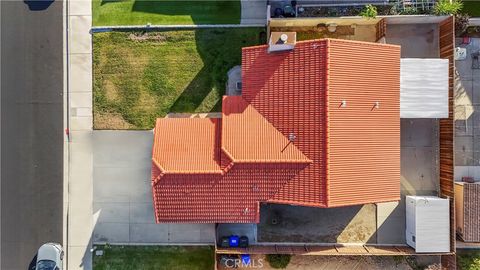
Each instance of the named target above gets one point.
<point>282,41</point>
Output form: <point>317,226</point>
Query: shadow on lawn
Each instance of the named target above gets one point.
<point>219,54</point>
<point>104,2</point>
<point>201,12</point>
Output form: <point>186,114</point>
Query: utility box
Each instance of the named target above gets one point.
<point>428,224</point>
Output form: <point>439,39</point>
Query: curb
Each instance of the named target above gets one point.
<point>100,29</point>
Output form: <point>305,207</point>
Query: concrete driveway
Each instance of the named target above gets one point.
<point>122,201</point>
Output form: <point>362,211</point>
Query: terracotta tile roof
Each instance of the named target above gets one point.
<point>193,142</point>
<point>248,137</point>
<point>288,89</point>
<point>287,139</point>
<point>364,141</point>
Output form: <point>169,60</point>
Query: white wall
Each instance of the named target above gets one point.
<point>413,19</point>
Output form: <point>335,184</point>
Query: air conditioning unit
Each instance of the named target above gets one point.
<point>428,224</point>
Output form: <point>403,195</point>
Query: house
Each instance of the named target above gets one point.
<point>301,214</point>
<point>315,126</point>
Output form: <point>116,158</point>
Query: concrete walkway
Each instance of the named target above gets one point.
<point>122,201</point>
<point>254,12</point>
<point>79,197</point>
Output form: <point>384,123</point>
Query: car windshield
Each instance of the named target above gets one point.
<point>45,265</point>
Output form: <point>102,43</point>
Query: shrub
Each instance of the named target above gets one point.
<point>369,11</point>
<point>461,24</point>
<point>468,260</point>
<point>447,7</point>
<point>278,261</point>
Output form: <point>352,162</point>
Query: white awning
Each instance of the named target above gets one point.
<point>423,88</point>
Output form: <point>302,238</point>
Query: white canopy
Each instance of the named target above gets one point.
<point>423,88</point>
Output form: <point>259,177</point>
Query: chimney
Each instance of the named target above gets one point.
<point>282,41</point>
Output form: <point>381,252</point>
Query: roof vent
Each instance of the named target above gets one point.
<point>282,41</point>
<point>332,27</point>
<point>292,137</point>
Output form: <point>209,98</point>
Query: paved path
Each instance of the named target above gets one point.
<point>122,200</point>
<point>31,131</point>
<point>254,12</point>
<point>80,223</point>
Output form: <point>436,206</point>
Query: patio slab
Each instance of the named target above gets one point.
<point>467,107</point>
<point>417,40</point>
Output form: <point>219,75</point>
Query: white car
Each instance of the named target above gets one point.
<point>50,257</point>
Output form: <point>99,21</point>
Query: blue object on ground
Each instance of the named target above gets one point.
<point>36,5</point>
<point>234,239</point>
<point>246,259</point>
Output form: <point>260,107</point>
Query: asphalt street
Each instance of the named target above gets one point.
<point>31,131</point>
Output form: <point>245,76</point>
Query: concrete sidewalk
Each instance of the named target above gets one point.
<point>254,12</point>
<point>122,200</point>
<point>79,197</point>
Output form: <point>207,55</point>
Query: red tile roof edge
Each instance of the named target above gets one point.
<point>272,161</point>
<point>328,43</point>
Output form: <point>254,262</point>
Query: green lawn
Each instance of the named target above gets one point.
<point>154,258</point>
<point>139,77</point>
<point>472,8</point>
<point>141,12</point>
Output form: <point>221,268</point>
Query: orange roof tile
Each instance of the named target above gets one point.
<point>364,139</point>
<point>341,155</point>
<point>187,145</point>
<point>248,137</point>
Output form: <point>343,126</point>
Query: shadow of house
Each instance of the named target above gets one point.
<point>298,224</point>
<point>200,12</point>
<point>218,55</point>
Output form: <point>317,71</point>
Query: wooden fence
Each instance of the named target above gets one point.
<point>447,47</point>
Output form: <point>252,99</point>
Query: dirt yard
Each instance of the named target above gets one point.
<point>284,223</point>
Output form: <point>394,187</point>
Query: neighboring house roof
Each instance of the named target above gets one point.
<point>315,126</point>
